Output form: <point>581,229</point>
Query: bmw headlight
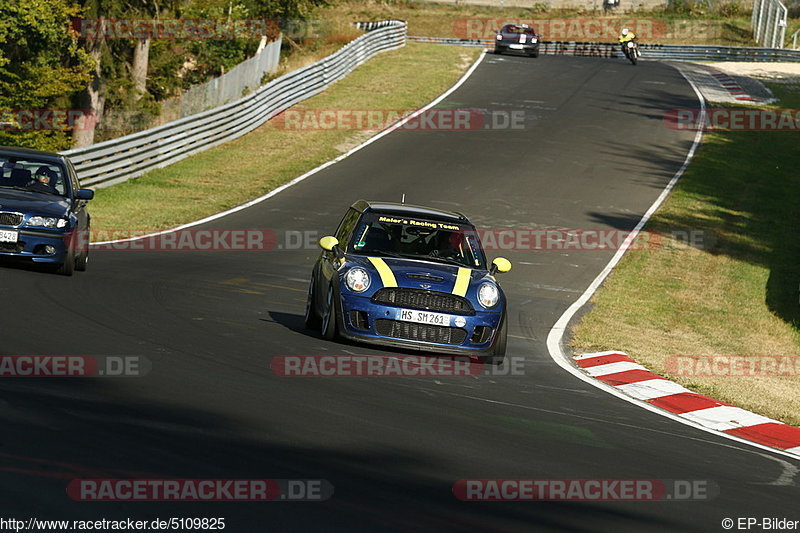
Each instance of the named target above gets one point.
<point>488,295</point>
<point>357,279</point>
<point>46,222</point>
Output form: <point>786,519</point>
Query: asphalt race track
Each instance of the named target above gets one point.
<point>594,153</point>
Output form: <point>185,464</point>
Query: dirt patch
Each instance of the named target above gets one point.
<point>779,72</point>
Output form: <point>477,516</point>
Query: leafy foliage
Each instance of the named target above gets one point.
<point>41,67</point>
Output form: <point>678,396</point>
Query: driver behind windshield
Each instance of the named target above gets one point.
<point>44,180</point>
<point>405,240</point>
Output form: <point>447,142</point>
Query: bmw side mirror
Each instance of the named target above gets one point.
<point>501,265</point>
<point>84,194</point>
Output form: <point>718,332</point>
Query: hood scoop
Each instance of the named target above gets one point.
<point>426,277</point>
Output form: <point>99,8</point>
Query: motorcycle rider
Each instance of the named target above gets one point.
<point>626,36</point>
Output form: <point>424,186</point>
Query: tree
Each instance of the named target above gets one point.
<point>41,68</point>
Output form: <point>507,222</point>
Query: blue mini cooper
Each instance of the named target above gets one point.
<point>411,277</point>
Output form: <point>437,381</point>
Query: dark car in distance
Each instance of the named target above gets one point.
<point>517,37</point>
<point>43,216</point>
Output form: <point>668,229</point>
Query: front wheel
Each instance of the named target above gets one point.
<point>328,325</point>
<point>66,268</point>
<point>82,260</point>
<point>499,353</point>
<point>311,318</point>
<point>632,56</point>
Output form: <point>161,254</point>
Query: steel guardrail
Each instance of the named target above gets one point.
<point>676,52</point>
<point>118,160</point>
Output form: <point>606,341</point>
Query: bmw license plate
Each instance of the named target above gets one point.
<point>515,46</point>
<point>8,236</point>
<point>423,317</point>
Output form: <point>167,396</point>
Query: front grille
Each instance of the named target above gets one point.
<point>10,219</point>
<point>425,300</point>
<point>419,332</point>
<point>13,247</point>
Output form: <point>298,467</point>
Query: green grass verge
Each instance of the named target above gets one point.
<point>735,295</point>
<point>251,166</point>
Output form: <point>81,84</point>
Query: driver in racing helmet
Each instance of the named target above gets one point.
<point>624,38</point>
<point>44,179</point>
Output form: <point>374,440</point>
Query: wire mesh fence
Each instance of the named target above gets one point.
<point>769,22</point>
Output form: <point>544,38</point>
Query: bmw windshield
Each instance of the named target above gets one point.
<point>32,175</point>
<point>416,238</point>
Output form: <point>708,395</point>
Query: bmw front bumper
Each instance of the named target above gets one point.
<point>31,243</point>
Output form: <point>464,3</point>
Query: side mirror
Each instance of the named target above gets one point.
<point>501,265</point>
<point>328,243</point>
<point>84,194</point>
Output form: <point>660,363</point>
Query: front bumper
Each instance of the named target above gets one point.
<point>31,243</point>
<point>516,46</point>
<point>359,321</point>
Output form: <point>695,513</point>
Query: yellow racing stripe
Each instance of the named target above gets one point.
<point>387,276</point>
<point>462,281</point>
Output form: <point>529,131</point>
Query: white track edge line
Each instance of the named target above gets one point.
<point>556,333</point>
<point>389,129</point>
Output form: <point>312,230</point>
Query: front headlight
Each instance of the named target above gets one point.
<point>46,222</point>
<point>498,37</point>
<point>488,295</point>
<point>357,279</point>
<point>534,39</point>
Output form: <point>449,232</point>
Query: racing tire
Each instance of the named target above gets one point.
<point>499,353</point>
<point>498,52</point>
<point>66,268</point>
<point>82,260</point>
<point>632,57</point>
<point>312,318</point>
<point>328,322</point>
<point>535,53</point>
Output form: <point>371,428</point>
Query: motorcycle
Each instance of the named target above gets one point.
<point>631,49</point>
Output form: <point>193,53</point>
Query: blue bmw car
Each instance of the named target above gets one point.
<point>411,277</point>
<point>43,216</point>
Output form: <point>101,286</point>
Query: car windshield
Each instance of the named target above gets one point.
<point>32,175</point>
<point>417,238</point>
<point>527,30</point>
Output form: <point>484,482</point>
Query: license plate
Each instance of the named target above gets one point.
<point>8,236</point>
<point>515,46</point>
<point>423,317</point>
